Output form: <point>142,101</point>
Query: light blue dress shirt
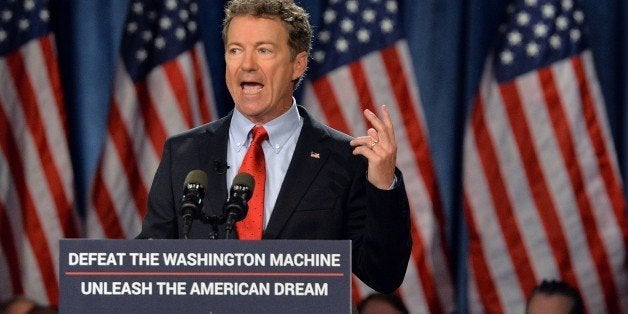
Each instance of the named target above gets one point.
<point>283,133</point>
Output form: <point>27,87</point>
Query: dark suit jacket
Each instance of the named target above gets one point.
<point>321,198</point>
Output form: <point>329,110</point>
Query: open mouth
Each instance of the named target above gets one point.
<point>251,88</point>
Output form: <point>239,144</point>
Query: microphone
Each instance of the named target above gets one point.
<point>220,167</point>
<point>236,207</point>
<point>192,201</point>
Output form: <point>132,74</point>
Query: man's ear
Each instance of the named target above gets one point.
<point>299,65</point>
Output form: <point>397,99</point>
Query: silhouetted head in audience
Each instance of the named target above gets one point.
<point>378,303</point>
<point>22,305</point>
<point>553,297</point>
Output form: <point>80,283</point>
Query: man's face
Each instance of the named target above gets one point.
<point>260,70</point>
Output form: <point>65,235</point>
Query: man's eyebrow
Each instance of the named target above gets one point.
<point>262,42</point>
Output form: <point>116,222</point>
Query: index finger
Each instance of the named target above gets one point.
<point>383,126</point>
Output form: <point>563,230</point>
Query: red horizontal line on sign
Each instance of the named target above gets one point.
<point>95,273</point>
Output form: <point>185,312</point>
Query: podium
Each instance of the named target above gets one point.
<point>204,276</point>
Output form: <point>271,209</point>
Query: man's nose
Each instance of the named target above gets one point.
<point>249,63</point>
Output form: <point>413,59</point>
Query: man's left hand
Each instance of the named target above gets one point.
<point>379,147</point>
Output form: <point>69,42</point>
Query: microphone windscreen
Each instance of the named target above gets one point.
<point>196,176</point>
<point>244,179</point>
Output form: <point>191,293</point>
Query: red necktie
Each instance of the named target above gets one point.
<point>251,227</point>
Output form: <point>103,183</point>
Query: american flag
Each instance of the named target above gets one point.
<point>161,87</point>
<point>360,61</point>
<point>542,191</point>
<point>36,180</point>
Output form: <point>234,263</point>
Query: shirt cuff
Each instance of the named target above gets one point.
<point>394,184</point>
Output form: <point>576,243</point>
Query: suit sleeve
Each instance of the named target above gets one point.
<point>379,227</point>
<point>160,221</point>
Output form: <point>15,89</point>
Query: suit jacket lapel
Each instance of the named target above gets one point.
<point>212,152</point>
<point>309,156</point>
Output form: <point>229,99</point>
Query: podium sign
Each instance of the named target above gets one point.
<point>204,276</point>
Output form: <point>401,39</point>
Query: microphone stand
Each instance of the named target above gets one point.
<point>234,210</point>
<point>231,219</point>
<point>187,223</point>
<point>213,221</point>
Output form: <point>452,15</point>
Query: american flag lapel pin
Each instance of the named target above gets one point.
<point>315,155</point>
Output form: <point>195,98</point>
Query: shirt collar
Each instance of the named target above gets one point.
<point>279,129</point>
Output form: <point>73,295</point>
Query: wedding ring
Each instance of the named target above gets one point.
<point>373,144</point>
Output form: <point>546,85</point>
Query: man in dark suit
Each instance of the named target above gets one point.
<point>319,184</point>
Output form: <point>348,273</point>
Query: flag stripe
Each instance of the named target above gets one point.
<point>68,216</point>
<point>583,266</point>
<point>567,148</point>
<point>411,291</point>
<point>344,89</point>
<point>354,71</point>
<point>50,62</point>
<point>108,219</point>
<point>30,218</point>
<point>541,195</point>
<point>26,94</point>
<point>591,164</point>
<point>136,126</point>
<point>33,148</point>
<point>186,63</point>
<point>418,141</point>
<point>418,145</point>
<point>176,82</point>
<point>119,187</point>
<point>480,269</point>
<point>8,242</point>
<point>51,120</point>
<point>202,91</point>
<point>156,131</point>
<point>551,162</point>
<point>37,187</point>
<point>545,125</point>
<point>612,188</point>
<point>206,82</point>
<point>157,93</point>
<point>425,274</point>
<point>113,174</point>
<point>359,80</point>
<point>495,261</point>
<point>415,184</point>
<point>598,142</point>
<point>331,109</point>
<point>163,100</point>
<point>30,276</point>
<point>597,106</point>
<point>356,96</point>
<point>122,141</point>
<point>501,202</point>
<point>609,221</point>
<point>509,166</point>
